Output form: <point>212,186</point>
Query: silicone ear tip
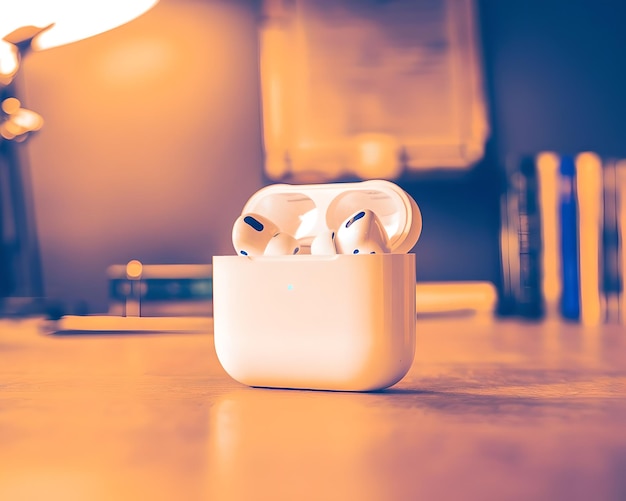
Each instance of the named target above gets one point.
<point>282,244</point>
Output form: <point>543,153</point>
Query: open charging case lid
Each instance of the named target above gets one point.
<point>305,211</point>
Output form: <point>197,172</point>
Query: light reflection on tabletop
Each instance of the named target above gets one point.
<point>489,410</point>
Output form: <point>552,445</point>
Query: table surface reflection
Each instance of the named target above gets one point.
<point>490,410</point>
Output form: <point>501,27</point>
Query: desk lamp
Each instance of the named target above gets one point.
<point>27,25</point>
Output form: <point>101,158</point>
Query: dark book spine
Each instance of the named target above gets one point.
<point>611,269</point>
<point>509,255</point>
<point>520,242</point>
<point>530,300</point>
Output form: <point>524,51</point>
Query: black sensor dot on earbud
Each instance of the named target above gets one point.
<point>255,223</point>
<point>243,253</point>
<point>355,251</point>
<point>296,250</point>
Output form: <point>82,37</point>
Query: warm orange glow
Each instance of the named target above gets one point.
<point>71,20</point>
<point>9,61</point>
<point>139,62</point>
<point>11,105</point>
<point>20,120</point>
<point>26,120</point>
<point>547,176</point>
<point>134,269</point>
<point>348,97</point>
<point>377,156</point>
<point>12,128</point>
<point>441,297</point>
<point>5,133</point>
<point>274,87</point>
<point>589,188</point>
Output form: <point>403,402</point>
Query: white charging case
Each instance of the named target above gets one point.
<point>332,322</point>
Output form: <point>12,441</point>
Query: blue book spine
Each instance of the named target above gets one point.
<point>570,299</point>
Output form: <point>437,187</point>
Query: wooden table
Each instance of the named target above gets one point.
<point>489,410</point>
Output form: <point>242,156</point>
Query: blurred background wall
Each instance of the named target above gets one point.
<point>152,140</point>
<point>555,75</point>
<point>151,144</point>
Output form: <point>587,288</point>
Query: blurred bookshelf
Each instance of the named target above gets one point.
<point>563,223</point>
<point>161,290</point>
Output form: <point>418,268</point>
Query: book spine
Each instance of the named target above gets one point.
<point>620,175</point>
<point>611,269</point>
<point>570,298</point>
<point>548,187</point>
<point>509,257</point>
<point>530,300</point>
<point>588,188</point>
<point>520,242</point>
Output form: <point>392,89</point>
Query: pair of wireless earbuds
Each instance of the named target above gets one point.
<point>361,233</point>
<point>367,217</point>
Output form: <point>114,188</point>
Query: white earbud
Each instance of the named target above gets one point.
<point>324,243</point>
<point>362,233</point>
<point>282,244</point>
<point>255,235</point>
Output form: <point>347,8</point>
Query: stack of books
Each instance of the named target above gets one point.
<point>161,290</point>
<point>563,223</point>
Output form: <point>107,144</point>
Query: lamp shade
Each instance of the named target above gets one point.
<point>68,20</point>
